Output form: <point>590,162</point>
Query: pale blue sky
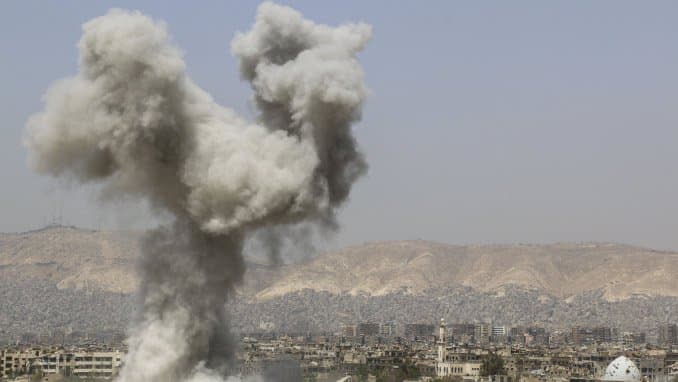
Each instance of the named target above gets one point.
<point>525,121</point>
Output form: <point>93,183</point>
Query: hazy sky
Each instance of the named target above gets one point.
<point>523,121</point>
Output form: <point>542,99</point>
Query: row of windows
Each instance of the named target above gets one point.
<point>94,374</point>
<point>60,359</point>
<point>104,359</point>
<point>92,366</point>
<point>455,369</point>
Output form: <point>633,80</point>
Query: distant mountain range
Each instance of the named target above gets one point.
<point>562,270</point>
<point>65,278</point>
<point>71,258</point>
<point>79,259</point>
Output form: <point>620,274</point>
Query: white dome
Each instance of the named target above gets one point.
<point>622,369</point>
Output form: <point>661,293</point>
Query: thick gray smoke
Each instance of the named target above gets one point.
<point>133,121</point>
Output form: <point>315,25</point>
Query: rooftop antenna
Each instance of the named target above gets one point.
<point>60,216</point>
<point>57,210</point>
<point>97,223</point>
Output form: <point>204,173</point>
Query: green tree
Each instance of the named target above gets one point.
<point>363,372</point>
<point>37,376</point>
<point>492,364</point>
<point>409,371</point>
<point>449,378</point>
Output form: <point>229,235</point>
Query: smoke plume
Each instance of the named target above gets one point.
<point>133,121</point>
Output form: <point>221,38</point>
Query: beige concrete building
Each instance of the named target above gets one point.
<point>97,364</point>
<point>459,365</point>
<point>85,363</point>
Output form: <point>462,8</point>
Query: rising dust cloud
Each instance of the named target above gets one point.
<point>132,121</point>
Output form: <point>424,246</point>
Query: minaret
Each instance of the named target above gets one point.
<point>441,341</point>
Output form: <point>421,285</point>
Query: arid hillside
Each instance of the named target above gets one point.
<point>561,270</point>
<point>78,259</point>
<point>73,258</point>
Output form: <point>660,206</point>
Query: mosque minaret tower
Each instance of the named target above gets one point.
<point>441,342</point>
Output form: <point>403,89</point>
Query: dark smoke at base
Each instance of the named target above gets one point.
<point>133,121</point>
<point>187,277</point>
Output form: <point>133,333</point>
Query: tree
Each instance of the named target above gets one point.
<point>409,371</point>
<point>449,378</point>
<point>37,376</point>
<point>492,364</point>
<point>363,371</point>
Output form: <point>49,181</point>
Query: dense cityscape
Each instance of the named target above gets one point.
<point>386,351</point>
